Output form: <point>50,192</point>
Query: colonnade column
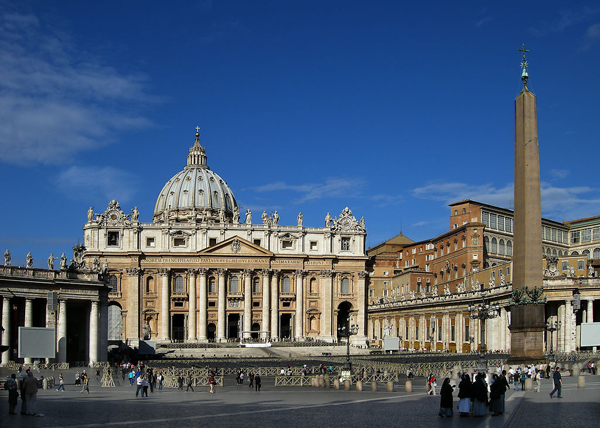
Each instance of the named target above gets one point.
<point>266,305</point>
<point>247,303</point>
<point>192,306</point>
<point>93,350</point>
<point>133,302</point>
<point>164,305</point>
<point>327,290</point>
<point>7,329</point>
<point>103,342</point>
<point>567,325</point>
<point>590,310</point>
<point>28,323</point>
<point>560,333</point>
<point>275,303</point>
<point>299,303</point>
<point>202,315</point>
<point>221,306</point>
<point>61,338</point>
<point>361,306</point>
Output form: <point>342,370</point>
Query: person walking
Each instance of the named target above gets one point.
<point>61,383</point>
<point>257,382</point>
<point>480,396</point>
<point>446,401</point>
<point>538,380</point>
<point>211,383</point>
<point>86,384</point>
<point>139,386</point>
<point>97,375</point>
<point>180,382</point>
<point>431,384</point>
<point>251,378</point>
<point>190,383</point>
<point>464,395</point>
<point>557,383</point>
<point>160,380</point>
<point>144,385</point>
<point>13,393</point>
<point>77,379</point>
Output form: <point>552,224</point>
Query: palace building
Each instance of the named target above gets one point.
<point>199,273</point>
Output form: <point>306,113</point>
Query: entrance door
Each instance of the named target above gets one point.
<point>178,328</point>
<point>212,331</point>
<point>233,321</point>
<point>286,326</point>
<point>255,330</point>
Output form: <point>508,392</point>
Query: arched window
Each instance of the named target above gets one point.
<point>345,286</point>
<point>586,253</point>
<point>548,251</point>
<point>150,285</point>
<point>494,245</point>
<point>575,253</point>
<point>596,253</point>
<point>554,251</point>
<point>509,248</point>
<point>486,244</point>
<point>114,283</point>
<point>234,284</point>
<point>501,247</point>
<point>178,285</point>
<point>256,285</point>
<point>211,285</point>
<point>285,285</point>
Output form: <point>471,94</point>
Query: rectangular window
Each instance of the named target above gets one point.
<point>452,334</point>
<point>212,304</point>
<point>580,265</point>
<point>345,244</point>
<point>257,242</point>
<point>313,245</point>
<point>179,242</point>
<point>417,332</point>
<point>467,333</point>
<point>414,251</point>
<point>575,237</point>
<point>485,218</point>
<point>406,333</point>
<point>586,235</point>
<point>500,222</point>
<point>286,304</point>
<point>212,242</point>
<point>508,224</point>
<point>419,287</point>
<point>565,265</point>
<point>553,235</point>
<point>150,242</point>
<point>113,239</point>
<point>286,245</point>
<point>256,304</point>
<point>493,221</point>
<point>596,233</point>
<point>371,292</point>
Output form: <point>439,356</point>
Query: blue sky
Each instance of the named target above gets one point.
<point>394,109</point>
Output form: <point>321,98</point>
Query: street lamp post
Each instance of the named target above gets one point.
<point>482,312</point>
<point>552,326</point>
<point>347,331</point>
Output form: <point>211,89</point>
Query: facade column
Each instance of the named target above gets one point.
<point>165,299</point>
<point>327,292</point>
<point>590,310</point>
<point>133,303</point>
<point>275,304</point>
<point>299,318</point>
<point>192,306</point>
<point>103,342</point>
<point>222,299</point>
<point>361,305</point>
<point>567,326</point>
<point>7,329</point>
<point>560,342</point>
<point>28,323</point>
<point>265,302</point>
<point>93,350</point>
<point>203,312</point>
<point>61,339</point>
<point>247,303</point>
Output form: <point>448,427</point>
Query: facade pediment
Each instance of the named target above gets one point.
<point>236,246</point>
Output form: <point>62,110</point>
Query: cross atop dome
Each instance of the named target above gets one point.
<point>197,156</point>
<point>524,65</point>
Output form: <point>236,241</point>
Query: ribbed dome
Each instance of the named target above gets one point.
<point>195,193</point>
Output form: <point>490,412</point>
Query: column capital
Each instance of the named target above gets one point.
<point>134,271</point>
<point>362,274</point>
<point>247,272</point>
<point>301,272</point>
<point>276,272</point>
<point>221,271</point>
<point>265,272</point>
<point>164,271</point>
<point>192,271</point>
<point>202,271</point>
<point>326,273</point>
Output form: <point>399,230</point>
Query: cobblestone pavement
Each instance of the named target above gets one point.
<point>288,407</point>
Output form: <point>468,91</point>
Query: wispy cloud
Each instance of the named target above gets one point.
<point>331,188</point>
<point>95,183</point>
<point>56,101</point>
<point>557,203</point>
<point>560,173</point>
<point>592,35</point>
<point>565,19</point>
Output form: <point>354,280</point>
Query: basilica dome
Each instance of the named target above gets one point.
<point>196,193</point>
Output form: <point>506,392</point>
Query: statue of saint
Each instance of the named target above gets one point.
<point>236,215</point>
<point>328,220</point>
<point>104,267</point>
<point>51,259</point>
<point>147,331</point>
<point>300,219</point>
<point>248,217</point>
<point>275,218</point>
<point>63,262</point>
<point>590,271</point>
<point>135,216</point>
<point>7,258</point>
<point>90,214</point>
<point>29,260</point>
<point>265,217</point>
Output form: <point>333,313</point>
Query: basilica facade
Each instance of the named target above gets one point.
<point>199,272</point>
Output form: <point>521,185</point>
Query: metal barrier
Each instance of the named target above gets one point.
<point>293,380</point>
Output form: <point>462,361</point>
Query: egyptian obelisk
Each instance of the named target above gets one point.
<point>527,318</point>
